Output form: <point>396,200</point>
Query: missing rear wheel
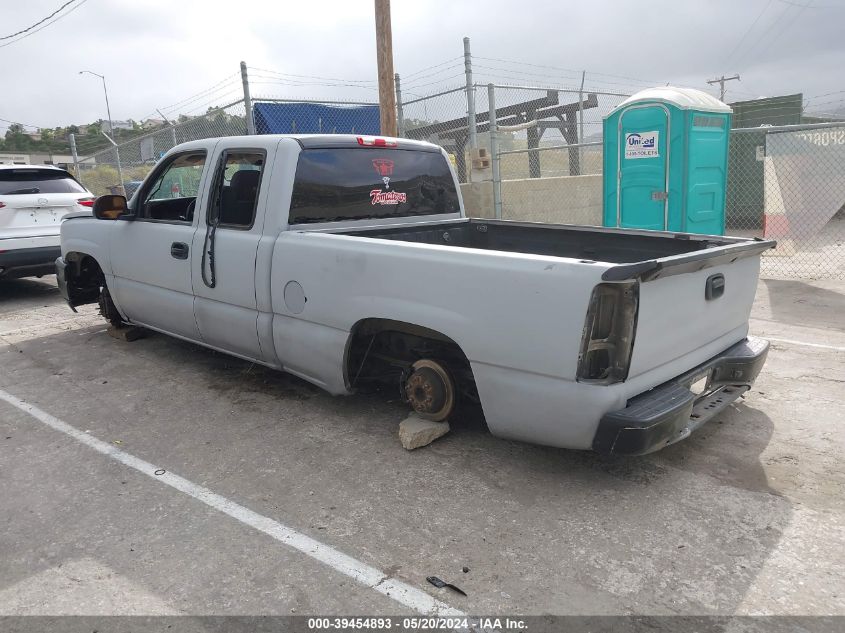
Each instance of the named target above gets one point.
<point>430,390</point>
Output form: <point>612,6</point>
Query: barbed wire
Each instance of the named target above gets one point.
<point>264,79</point>
<point>414,74</point>
<point>227,81</point>
<point>295,76</point>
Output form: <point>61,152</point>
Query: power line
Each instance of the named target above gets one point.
<point>747,32</point>
<point>823,103</point>
<point>302,82</point>
<point>43,25</point>
<point>29,28</point>
<point>286,75</point>
<point>794,19</point>
<point>432,67</point>
<point>413,82</point>
<point>576,73</point>
<point>771,26</point>
<point>214,104</point>
<point>517,73</point>
<point>436,81</point>
<point>188,108</point>
<point>827,94</point>
<point>225,83</point>
<point>264,79</point>
<point>38,127</point>
<point>811,6</point>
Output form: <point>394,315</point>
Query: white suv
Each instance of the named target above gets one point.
<point>33,201</point>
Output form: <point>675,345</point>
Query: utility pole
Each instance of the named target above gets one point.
<point>384,58</point>
<point>721,81</point>
<point>250,122</point>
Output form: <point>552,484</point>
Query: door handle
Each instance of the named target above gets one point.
<point>714,287</point>
<point>179,250</point>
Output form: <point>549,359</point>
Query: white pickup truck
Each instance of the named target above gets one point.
<point>345,260</point>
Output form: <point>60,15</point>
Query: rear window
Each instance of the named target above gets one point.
<point>359,183</point>
<point>23,181</point>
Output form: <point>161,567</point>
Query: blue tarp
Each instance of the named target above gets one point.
<point>315,118</point>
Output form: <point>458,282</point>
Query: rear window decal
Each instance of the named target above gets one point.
<point>377,196</point>
<point>384,168</point>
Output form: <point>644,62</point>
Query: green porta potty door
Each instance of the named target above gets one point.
<point>643,175</point>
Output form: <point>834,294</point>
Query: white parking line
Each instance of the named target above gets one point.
<point>790,341</point>
<point>367,575</point>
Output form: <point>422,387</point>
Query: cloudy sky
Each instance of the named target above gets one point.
<point>158,53</point>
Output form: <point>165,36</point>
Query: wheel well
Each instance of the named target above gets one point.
<point>382,349</point>
<point>84,278</point>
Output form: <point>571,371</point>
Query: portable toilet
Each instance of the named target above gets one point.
<point>665,161</point>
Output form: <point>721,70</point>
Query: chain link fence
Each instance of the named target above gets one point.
<point>793,192</point>
<point>126,165</point>
<point>785,183</point>
<point>564,116</point>
<point>441,118</point>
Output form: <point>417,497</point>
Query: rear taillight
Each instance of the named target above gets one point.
<point>375,141</point>
<point>2,204</point>
<point>608,336</point>
<point>86,202</point>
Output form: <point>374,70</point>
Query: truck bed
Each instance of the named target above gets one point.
<point>639,250</point>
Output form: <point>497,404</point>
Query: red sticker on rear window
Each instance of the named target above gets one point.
<point>377,196</point>
<point>384,168</point>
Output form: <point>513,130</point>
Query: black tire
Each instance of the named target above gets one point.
<point>107,308</point>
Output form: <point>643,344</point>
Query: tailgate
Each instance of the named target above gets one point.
<point>35,215</point>
<point>692,306</point>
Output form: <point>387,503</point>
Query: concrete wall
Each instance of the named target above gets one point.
<point>558,200</point>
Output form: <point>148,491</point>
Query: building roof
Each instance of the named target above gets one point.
<point>683,98</point>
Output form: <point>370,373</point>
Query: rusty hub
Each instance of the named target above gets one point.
<point>430,390</point>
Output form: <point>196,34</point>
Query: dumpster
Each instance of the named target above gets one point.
<point>665,161</point>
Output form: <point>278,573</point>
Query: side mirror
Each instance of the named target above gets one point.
<point>110,207</point>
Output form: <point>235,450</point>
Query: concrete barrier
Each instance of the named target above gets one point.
<point>557,200</point>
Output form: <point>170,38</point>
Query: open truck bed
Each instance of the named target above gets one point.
<point>640,255</point>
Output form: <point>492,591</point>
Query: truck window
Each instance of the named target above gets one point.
<point>358,183</point>
<point>172,192</point>
<point>236,188</point>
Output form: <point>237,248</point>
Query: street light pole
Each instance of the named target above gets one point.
<point>111,125</point>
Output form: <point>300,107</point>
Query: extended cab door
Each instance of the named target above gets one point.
<point>150,255</point>
<point>226,243</point>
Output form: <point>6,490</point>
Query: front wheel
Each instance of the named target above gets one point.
<point>107,308</point>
